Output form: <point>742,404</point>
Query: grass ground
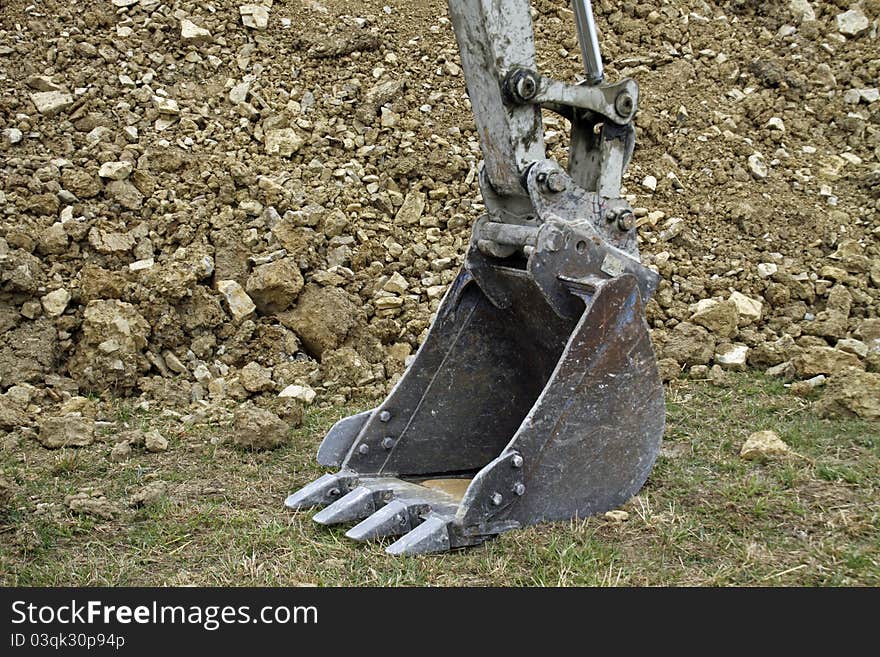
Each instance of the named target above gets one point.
<point>706,517</point>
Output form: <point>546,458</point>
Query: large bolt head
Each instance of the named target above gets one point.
<point>526,86</point>
<point>624,104</point>
<point>556,182</point>
<point>626,220</point>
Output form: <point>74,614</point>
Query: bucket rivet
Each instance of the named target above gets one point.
<point>387,442</point>
<point>516,461</point>
<point>519,488</point>
<point>333,492</point>
<point>496,499</point>
<point>364,448</point>
<point>384,416</point>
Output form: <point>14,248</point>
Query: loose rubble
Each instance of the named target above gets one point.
<point>264,203</point>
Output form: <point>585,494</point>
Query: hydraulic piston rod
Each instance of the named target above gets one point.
<point>589,40</point>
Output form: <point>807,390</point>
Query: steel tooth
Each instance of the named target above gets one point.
<point>321,492</point>
<point>430,536</point>
<point>358,504</point>
<point>392,519</point>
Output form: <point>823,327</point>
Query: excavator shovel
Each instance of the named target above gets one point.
<point>535,396</point>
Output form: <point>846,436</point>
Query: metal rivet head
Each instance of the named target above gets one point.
<point>516,461</point>
<point>384,416</point>
<point>624,104</point>
<point>519,488</point>
<point>496,499</point>
<point>333,492</point>
<point>626,220</point>
<point>363,448</point>
<point>388,442</point>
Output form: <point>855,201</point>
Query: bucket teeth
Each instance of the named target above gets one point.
<point>393,519</point>
<point>358,504</point>
<point>430,536</point>
<point>321,492</point>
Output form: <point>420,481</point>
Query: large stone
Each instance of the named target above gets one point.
<point>839,300</point>
<point>346,367</point>
<point>732,356</point>
<point>852,346</point>
<point>80,182</point>
<point>868,329</point>
<point>748,309</point>
<point>720,317</point>
<point>833,322</point>
<point>50,103</point>
<point>763,444</point>
<point>283,141</point>
<point>377,96</point>
<point>104,241</point>
<point>689,344</point>
<point>192,33</point>
<point>302,393</point>
<point>13,413</point>
<point>66,431</point>
<point>412,208</point>
<point>322,317</point>
<point>669,369</point>
<point>240,305</point>
<point>823,360</point>
<point>124,193</point>
<point>116,170</point>
<point>852,22</point>
<point>852,393</point>
<point>53,240</point>
<point>396,284</point>
<point>275,285</point>
<point>21,273</point>
<point>801,10</point>
<point>155,441</point>
<point>55,302</point>
<point>256,428</point>
<point>757,166</point>
<point>256,17</point>
<point>767,354</point>
<point>256,378</point>
<point>830,324</point>
<point>109,354</point>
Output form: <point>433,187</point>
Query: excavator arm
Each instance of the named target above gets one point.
<point>535,396</point>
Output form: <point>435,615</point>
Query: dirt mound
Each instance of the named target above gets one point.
<point>185,192</point>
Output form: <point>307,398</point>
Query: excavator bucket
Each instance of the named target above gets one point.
<point>535,396</point>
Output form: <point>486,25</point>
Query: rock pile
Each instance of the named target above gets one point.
<point>215,205</point>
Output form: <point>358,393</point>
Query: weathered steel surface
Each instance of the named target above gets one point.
<point>495,36</point>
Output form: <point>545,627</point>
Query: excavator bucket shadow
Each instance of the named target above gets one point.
<point>508,415</point>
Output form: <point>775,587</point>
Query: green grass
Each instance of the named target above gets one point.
<point>705,517</point>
